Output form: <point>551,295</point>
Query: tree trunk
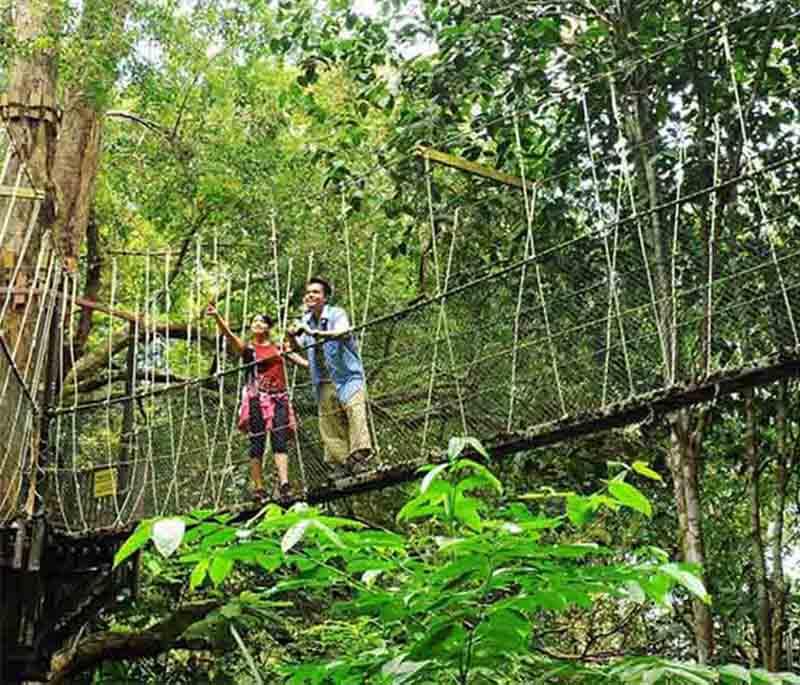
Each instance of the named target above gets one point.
<point>684,457</point>
<point>778,579</point>
<point>764,610</point>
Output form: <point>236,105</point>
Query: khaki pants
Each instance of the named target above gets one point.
<point>343,427</point>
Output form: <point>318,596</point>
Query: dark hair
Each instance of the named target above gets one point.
<point>267,318</point>
<point>327,288</point>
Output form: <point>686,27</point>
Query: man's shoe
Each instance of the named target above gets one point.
<point>359,461</point>
<point>340,471</point>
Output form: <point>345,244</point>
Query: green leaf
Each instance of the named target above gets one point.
<point>219,569</point>
<point>579,509</point>
<point>294,535</point>
<point>630,497</point>
<point>688,580</point>
<point>442,636</point>
<point>644,470</point>
<point>199,574</point>
<point>481,471</point>
<point>455,447</point>
<point>327,532</point>
<point>736,672</point>
<point>431,476</point>
<point>136,541</point>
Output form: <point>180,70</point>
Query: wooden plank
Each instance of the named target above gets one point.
<point>471,167</point>
<point>23,191</point>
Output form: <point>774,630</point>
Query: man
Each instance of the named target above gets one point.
<point>338,378</point>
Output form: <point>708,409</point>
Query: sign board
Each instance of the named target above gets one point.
<point>105,483</point>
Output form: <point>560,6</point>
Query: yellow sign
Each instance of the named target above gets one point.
<point>105,483</point>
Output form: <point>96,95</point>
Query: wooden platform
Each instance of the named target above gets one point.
<point>49,587</point>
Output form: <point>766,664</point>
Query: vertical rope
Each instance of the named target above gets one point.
<point>365,315</point>
<point>443,314</point>
<point>168,395</point>
<point>109,369</point>
<point>750,164</point>
<point>23,397</point>
<point>20,259</point>
<point>434,248</point>
<point>673,269</point>
<point>11,202</point>
<point>611,263</point>
<point>38,365</point>
<point>643,247</point>
<point>434,360</point>
<point>530,208</point>
<point>711,248</point>
<point>348,259</point>
<point>27,427</point>
<point>297,444</point>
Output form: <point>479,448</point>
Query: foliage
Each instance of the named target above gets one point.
<point>463,594</point>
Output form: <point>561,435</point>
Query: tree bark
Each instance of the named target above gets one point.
<point>162,637</point>
<point>759,562</point>
<point>778,579</point>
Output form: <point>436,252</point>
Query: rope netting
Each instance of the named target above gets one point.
<point>619,301</point>
<point>28,287</point>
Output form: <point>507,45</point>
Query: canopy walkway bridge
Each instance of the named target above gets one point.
<point>631,310</point>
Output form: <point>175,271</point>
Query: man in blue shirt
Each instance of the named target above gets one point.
<point>338,378</point>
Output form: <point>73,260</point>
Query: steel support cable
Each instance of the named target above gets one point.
<point>610,260</point>
<point>751,163</point>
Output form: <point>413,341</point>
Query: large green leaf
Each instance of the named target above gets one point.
<point>136,541</point>
<point>631,497</point>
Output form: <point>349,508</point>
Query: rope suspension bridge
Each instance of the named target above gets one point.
<point>633,310</point>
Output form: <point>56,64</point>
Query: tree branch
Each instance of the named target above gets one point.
<point>112,646</point>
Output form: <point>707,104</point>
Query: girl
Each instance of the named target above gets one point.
<point>265,402</point>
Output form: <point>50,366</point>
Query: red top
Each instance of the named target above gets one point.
<point>270,367</point>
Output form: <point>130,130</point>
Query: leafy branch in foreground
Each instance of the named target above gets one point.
<point>464,596</point>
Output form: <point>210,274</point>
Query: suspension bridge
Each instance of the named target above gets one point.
<point>634,310</point>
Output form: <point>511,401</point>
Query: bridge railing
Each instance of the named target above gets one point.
<point>29,274</point>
